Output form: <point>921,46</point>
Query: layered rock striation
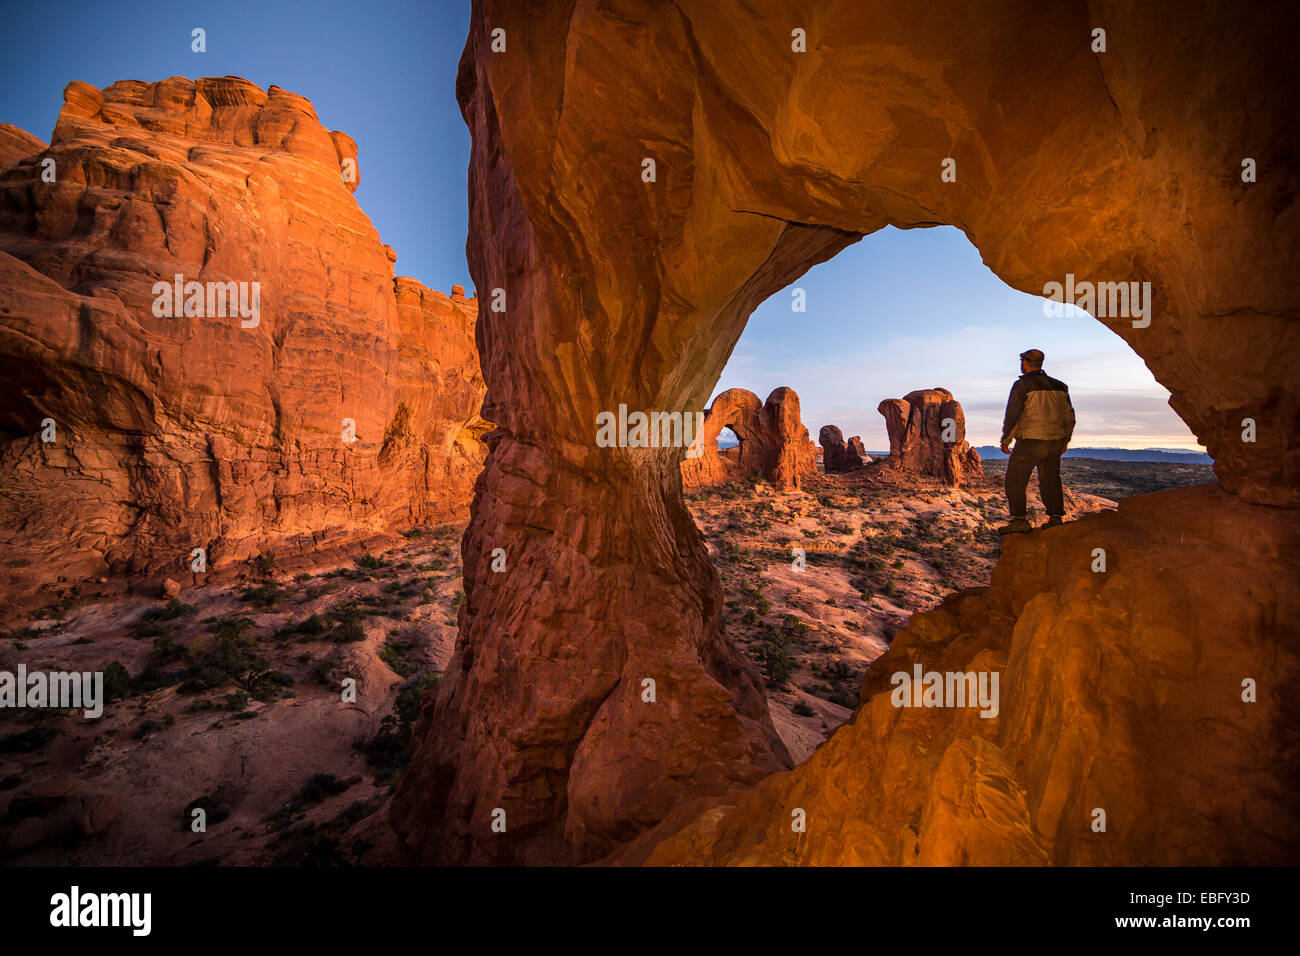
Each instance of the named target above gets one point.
<point>294,396</point>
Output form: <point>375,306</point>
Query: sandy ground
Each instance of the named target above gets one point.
<point>277,771</point>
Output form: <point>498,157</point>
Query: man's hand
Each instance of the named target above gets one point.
<point>1006,447</point>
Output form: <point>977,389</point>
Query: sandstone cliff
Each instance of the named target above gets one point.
<point>206,427</point>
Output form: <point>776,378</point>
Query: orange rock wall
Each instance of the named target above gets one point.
<point>194,431</point>
<point>916,428</point>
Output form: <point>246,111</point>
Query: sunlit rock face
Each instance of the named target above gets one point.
<point>927,436</point>
<point>1121,691</point>
<point>642,176</point>
<point>176,426</point>
<point>773,445</point>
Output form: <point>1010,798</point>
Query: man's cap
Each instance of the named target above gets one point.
<point>1032,356</point>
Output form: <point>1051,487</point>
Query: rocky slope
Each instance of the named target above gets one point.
<point>231,700</point>
<point>345,404</point>
<point>818,581</point>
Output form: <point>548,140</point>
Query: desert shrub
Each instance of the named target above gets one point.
<point>117,681</point>
<point>389,751</point>
<point>369,562</point>
<point>214,807</point>
<point>264,595</point>
<point>228,654</point>
<point>347,618</point>
<point>349,632</point>
<point>164,649</point>
<point>319,788</point>
<point>838,670</point>
<point>801,709</point>
<point>153,622</point>
<point>308,627</point>
<point>28,741</point>
<point>396,655</point>
<point>172,610</point>
<point>793,628</point>
<point>777,663</point>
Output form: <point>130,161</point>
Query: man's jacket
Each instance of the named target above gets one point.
<point>1038,407</point>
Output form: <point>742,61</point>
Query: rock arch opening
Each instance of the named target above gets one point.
<point>624,290</point>
<point>817,578</point>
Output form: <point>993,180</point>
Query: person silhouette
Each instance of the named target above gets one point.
<point>1040,418</point>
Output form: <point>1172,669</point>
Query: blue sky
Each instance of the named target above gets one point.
<point>896,312</point>
<point>383,72</point>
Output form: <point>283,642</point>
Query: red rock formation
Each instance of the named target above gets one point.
<point>856,446</point>
<point>1108,167</point>
<point>774,443</point>
<point>202,431</point>
<point>1118,690</point>
<point>837,455</point>
<point>927,436</point>
<point>16,144</point>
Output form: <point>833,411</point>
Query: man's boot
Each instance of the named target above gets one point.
<point>1018,525</point>
<point>1053,521</point>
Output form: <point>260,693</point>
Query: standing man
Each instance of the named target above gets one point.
<point>1041,420</point>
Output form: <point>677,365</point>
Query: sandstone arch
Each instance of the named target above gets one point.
<point>769,162</point>
<point>773,441</point>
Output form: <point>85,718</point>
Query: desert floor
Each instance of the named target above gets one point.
<point>227,699</point>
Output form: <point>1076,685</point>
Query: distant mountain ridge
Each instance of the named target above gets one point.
<point>1167,456</point>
